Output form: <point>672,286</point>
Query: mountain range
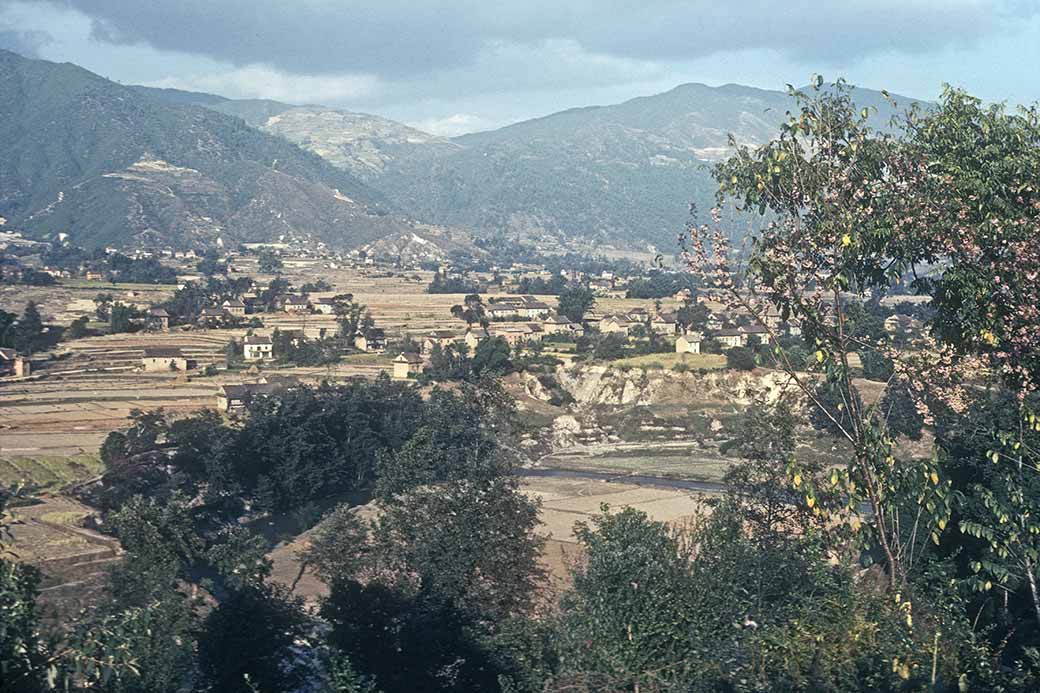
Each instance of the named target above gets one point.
<point>115,163</point>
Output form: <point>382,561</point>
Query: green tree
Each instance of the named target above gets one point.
<point>353,318</point>
<point>613,636</point>
<point>470,544</point>
<point>826,178</point>
<point>246,643</point>
<point>740,358</point>
<point>692,315</point>
<point>492,355</point>
<point>210,263</point>
<point>153,619</point>
<point>451,563</point>
<point>22,657</point>
<point>102,304</point>
<point>77,329</point>
<point>269,262</point>
<point>232,353</point>
<point>342,677</point>
<point>448,363</point>
<point>29,331</point>
<point>122,317</point>
<point>471,310</point>
<point>7,328</point>
<point>575,302</point>
<point>610,347</point>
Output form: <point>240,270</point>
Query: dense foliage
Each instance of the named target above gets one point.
<point>575,302</point>
<point>451,284</point>
<point>952,200</point>
<point>660,284</point>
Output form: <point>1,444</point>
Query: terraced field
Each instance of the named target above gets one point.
<point>48,473</point>
<point>675,460</point>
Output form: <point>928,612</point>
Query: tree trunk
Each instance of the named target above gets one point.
<point>1031,574</point>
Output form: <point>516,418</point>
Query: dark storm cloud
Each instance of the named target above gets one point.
<point>401,38</point>
<point>27,43</point>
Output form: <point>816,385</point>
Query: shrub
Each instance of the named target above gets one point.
<point>740,358</point>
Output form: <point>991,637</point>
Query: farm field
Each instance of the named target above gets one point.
<point>52,424</point>
<point>671,360</point>
<point>48,473</point>
<point>91,386</point>
<point>564,502</point>
<point>73,298</point>
<point>669,460</point>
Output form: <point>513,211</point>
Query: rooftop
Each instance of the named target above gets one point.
<point>163,353</point>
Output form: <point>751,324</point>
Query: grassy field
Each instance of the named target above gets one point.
<point>48,472</point>
<point>670,360</point>
<point>108,287</point>
<point>367,359</point>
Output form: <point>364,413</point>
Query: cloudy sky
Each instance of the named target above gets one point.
<point>454,67</point>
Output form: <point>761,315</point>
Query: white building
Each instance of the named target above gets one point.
<point>688,344</point>
<point>257,348</point>
<point>730,337</point>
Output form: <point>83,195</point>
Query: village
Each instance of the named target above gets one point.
<point>275,315</point>
<point>263,321</point>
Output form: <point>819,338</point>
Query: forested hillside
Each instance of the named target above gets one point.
<point>109,164</point>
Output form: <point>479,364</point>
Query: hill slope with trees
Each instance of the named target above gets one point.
<point>624,172</point>
<point>109,164</point>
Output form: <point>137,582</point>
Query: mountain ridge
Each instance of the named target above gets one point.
<point>125,164</point>
<point>109,164</point>
<point>619,172</point>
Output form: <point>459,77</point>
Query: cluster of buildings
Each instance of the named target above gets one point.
<point>517,307</point>
<point>232,398</point>
<point>290,303</point>
<point>521,319</point>
<point>659,322</point>
<point>158,318</point>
